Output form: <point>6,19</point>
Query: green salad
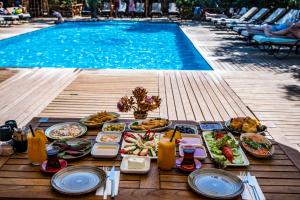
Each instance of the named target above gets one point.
<point>224,149</point>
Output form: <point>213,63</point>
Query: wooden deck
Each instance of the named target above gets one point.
<point>243,79</point>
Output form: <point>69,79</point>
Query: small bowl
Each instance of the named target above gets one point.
<point>109,123</point>
<point>105,150</point>
<point>100,135</point>
<point>194,128</point>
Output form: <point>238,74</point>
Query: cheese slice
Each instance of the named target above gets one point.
<point>136,163</point>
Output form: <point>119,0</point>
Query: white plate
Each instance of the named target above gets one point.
<point>109,123</point>
<point>105,150</point>
<point>154,129</point>
<point>100,134</point>
<point>124,165</point>
<point>60,125</point>
<point>156,137</point>
<point>197,146</point>
<point>245,159</point>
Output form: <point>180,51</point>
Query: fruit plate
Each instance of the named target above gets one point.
<point>215,183</point>
<point>139,122</point>
<point>106,124</point>
<point>261,128</point>
<point>240,151</point>
<point>262,140</point>
<point>97,125</point>
<point>129,146</point>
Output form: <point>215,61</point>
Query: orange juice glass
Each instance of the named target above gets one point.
<point>37,146</point>
<point>166,154</point>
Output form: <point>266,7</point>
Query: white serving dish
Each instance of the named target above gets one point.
<point>196,146</point>
<point>105,150</point>
<point>245,159</point>
<point>190,126</point>
<point>124,165</point>
<point>189,137</point>
<point>101,134</point>
<point>109,123</point>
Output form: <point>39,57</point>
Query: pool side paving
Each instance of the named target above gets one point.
<point>243,79</point>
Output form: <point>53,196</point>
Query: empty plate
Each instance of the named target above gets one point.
<point>215,183</point>
<point>78,180</point>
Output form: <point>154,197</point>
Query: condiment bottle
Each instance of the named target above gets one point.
<point>20,140</point>
<point>37,146</point>
<point>166,153</point>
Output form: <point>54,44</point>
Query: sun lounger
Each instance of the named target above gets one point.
<point>106,9</point>
<point>290,14</point>
<point>139,9</point>
<point>269,20</point>
<point>173,10</point>
<point>279,47</point>
<point>245,17</point>
<point>256,18</point>
<point>156,9</point>
<point>122,8</point>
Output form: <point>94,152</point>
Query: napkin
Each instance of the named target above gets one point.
<point>100,191</point>
<point>248,193</point>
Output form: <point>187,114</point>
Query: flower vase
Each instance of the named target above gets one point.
<point>138,115</point>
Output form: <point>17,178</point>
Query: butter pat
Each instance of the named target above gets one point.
<point>136,163</point>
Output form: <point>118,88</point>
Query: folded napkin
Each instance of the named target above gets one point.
<point>100,191</point>
<point>248,193</point>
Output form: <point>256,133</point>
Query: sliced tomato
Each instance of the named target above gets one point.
<point>219,135</point>
<point>228,153</point>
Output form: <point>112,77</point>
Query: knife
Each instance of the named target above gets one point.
<point>111,177</point>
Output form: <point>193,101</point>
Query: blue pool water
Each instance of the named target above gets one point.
<point>103,45</point>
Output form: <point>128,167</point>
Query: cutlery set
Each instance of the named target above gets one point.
<point>248,180</point>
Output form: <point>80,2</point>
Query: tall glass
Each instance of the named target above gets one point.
<point>166,154</point>
<point>37,146</point>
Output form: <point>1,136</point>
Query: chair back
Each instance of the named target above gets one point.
<point>122,6</point>
<point>260,14</point>
<point>249,14</point>
<point>156,7</point>
<point>106,6</point>
<point>291,14</point>
<point>173,7</point>
<point>275,15</point>
<point>139,7</point>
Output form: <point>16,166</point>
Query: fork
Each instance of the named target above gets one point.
<point>244,179</point>
<point>252,185</point>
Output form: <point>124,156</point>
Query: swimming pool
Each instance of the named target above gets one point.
<point>104,45</point>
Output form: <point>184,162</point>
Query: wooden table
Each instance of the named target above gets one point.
<point>278,177</point>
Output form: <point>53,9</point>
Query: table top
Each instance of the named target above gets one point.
<point>279,177</point>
